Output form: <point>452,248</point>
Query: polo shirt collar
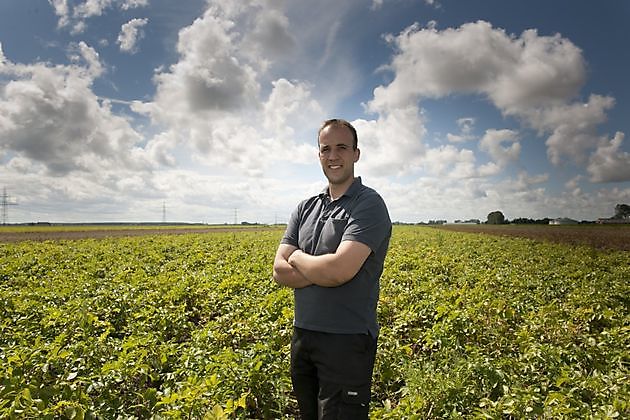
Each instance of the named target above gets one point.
<point>351,191</point>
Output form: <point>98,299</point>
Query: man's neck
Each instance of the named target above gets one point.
<point>337,190</point>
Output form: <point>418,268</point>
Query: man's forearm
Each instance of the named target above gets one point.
<point>287,275</point>
<point>321,270</point>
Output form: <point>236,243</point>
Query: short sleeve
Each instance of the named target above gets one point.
<point>369,222</point>
<point>291,234</point>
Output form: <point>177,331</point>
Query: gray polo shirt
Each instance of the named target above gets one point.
<point>317,227</point>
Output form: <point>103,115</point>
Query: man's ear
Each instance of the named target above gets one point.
<point>357,154</point>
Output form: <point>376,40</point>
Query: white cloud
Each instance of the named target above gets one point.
<point>74,15</point>
<point>243,96</point>
<point>391,144</point>
<point>466,126</point>
<point>493,143</point>
<point>211,100</point>
<point>91,8</point>
<point>133,4</point>
<point>290,104</point>
<point>51,116</point>
<point>515,73</point>
<point>82,53</point>
<point>62,10</point>
<point>130,33</point>
<point>439,197</point>
<point>188,195</point>
<point>210,75</point>
<point>450,162</point>
<point>531,77</point>
<point>270,37</point>
<point>574,183</point>
<point>573,127</point>
<point>609,163</point>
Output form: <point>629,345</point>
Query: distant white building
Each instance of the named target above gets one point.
<point>563,221</point>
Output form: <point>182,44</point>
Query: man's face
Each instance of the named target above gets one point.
<point>336,154</point>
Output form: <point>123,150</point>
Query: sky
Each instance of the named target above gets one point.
<point>208,111</point>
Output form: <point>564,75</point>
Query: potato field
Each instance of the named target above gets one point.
<point>193,326</point>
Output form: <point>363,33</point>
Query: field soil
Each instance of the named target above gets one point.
<point>599,236</point>
<point>55,234</point>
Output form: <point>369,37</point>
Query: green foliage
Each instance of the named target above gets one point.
<point>177,326</point>
<point>488,327</point>
<point>193,326</point>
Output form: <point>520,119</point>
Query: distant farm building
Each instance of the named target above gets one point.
<point>563,221</point>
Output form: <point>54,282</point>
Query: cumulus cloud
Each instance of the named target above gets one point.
<point>232,104</point>
<point>81,53</point>
<point>51,116</point>
<point>290,104</point>
<point>62,10</point>
<point>210,75</point>
<point>573,127</point>
<point>493,143</point>
<point>74,13</point>
<point>435,197</point>
<point>132,4</point>
<point>466,126</point>
<point>514,73</point>
<point>531,77</point>
<point>450,162</point>
<point>200,98</point>
<point>391,144</point>
<point>270,37</point>
<point>574,182</point>
<point>130,33</point>
<point>609,163</point>
<point>212,101</point>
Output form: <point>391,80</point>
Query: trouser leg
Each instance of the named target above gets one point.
<point>303,376</point>
<point>334,402</point>
<point>332,374</point>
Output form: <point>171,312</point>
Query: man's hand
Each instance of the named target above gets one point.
<point>284,273</point>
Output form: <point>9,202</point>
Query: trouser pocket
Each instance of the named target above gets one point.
<point>356,394</point>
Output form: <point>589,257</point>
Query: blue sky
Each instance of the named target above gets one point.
<point>114,110</point>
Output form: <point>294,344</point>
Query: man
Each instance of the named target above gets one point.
<point>332,255</point>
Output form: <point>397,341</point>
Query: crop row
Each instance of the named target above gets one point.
<point>192,325</point>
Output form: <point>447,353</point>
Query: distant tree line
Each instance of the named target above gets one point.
<point>622,212</point>
<point>496,218</point>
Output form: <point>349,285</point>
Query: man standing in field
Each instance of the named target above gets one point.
<point>332,255</point>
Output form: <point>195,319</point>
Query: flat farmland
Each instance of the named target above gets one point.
<point>191,325</point>
<point>598,236</point>
<point>74,232</point>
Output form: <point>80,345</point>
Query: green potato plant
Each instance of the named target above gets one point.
<point>193,326</point>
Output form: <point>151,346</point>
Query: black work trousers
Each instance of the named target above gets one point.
<point>332,374</point>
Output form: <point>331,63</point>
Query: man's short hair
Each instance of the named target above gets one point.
<point>338,122</point>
